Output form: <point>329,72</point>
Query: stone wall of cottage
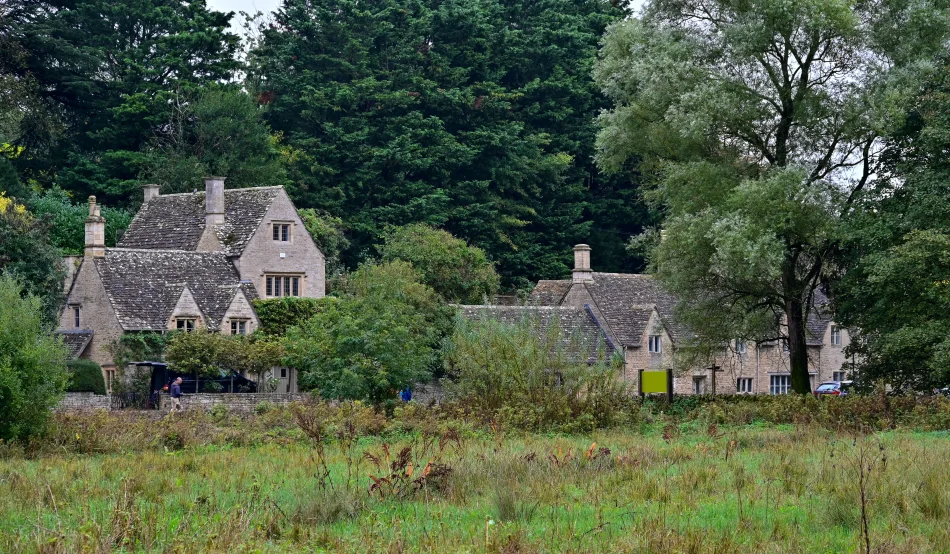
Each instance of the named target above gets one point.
<point>95,312</point>
<point>186,307</point>
<point>301,255</point>
<point>240,309</point>
<point>84,402</point>
<point>237,402</point>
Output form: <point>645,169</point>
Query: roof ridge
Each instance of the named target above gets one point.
<point>225,190</point>
<point>165,251</point>
<point>650,275</point>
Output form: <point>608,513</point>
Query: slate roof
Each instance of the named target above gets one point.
<point>76,341</point>
<point>145,285</point>
<point>177,221</point>
<point>577,323</point>
<point>549,293</point>
<point>818,319</point>
<point>625,299</point>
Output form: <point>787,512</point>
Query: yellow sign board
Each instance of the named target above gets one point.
<point>653,381</point>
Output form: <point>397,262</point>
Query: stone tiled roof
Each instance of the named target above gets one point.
<point>76,341</point>
<point>818,319</point>
<point>176,221</point>
<point>627,299</point>
<point>144,285</point>
<point>549,293</point>
<point>578,325</point>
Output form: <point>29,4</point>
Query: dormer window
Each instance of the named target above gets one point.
<point>186,324</point>
<point>655,344</point>
<point>238,326</point>
<point>835,335</point>
<point>740,346</point>
<point>281,232</point>
<point>75,310</point>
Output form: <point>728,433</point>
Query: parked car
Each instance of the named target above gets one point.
<point>834,388</point>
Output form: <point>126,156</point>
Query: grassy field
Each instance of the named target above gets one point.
<point>685,488</point>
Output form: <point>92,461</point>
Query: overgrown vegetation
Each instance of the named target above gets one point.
<point>32,364</point>
<point>85,376</point>
<point>533,373</point>
<point>316,476</point>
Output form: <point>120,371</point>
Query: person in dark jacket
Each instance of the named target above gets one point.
<point>176,395</point>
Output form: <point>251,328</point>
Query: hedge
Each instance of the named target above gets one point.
<point>85,376</point>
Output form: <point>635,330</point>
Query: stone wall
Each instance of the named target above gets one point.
<point>236,402</point>
<point>84,402</point>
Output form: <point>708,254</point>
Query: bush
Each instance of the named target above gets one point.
<point>32,364</point>
<point>85,376</point>
<point>457,271</point>
<point>279,314</point>
<point>534,374</point>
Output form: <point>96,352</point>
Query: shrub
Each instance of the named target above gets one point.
<point>85,376</point>
<point>534,374</point>
<point>279,314</point>
<point>32,364</point>
<point>457,271</point>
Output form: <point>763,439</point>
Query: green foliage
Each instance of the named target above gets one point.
<point>142,346</point>
<point>27,255</point>
<point>459,115</point>
<point>459,272</point>
<point>213,354</point>
<point>10,181</point>
<point>533,374</point>
<point>32,364</point>
<point>378,337</point>
<point>67,220</point>
<point>279,314</point>
<point>329,234</point>
<point>216,131</point>
<point>896,251</point>
<point>85,376</point>
<point>751,128</point>
<point>100,78</point>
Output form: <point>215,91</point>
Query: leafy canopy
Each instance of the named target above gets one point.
<point>760,124</point>
<point>377,337</point>
<point>32,364</point>
<point>459,272</point>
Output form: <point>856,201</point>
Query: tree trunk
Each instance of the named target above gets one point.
<point>795,321</point>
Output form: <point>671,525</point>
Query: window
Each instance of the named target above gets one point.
<point>744,385</point>
<point>655,344</point>
<point>110,377</point>
<point>76,317</point>
<point>740,346</point>
<point>699,385</point>
<point>281,232</point>
<point>839,375</point>
<point>779,384</point>
<point>835,335</point>
<point>283,373</point>
<point>785,346</point>
<point>281,285</point>
<point>186,324</point>
<point>238,326</point>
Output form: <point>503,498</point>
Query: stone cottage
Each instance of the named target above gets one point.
<point>637,317</point>
<point>186,262</point>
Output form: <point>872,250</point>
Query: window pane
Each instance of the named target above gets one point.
<point>285,233</point>
<point>269,286</point>
<point>276,232</point>
<point>286,286</point>
<point>296,281</point>
<point>276,286</point>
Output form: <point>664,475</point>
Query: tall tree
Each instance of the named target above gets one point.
<point>471,116</point>
<point>896,251</point>
<point>108,72</point>
<point>760,122</point>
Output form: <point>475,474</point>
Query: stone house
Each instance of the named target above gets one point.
<point>186,262</point>
<point>636,315</point>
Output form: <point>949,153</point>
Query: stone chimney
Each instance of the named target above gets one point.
<point>214,201</point>
<point>151,191</point>
<point>582,271</point>
<point>95,232</point>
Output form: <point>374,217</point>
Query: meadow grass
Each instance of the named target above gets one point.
<point>686,488</point>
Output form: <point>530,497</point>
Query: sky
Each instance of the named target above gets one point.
<point>251,6</point>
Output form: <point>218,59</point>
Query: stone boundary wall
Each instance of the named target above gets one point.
<point>84,402</point>
<point>236,402</point>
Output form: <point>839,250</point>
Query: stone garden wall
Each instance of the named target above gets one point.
<point>236,402</point>
<point>84,402</point>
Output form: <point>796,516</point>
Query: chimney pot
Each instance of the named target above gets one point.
<point>214,201</point>
<point>582,272</point>
<point>150,191</point>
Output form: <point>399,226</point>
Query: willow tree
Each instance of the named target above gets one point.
<point>758,123</point>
